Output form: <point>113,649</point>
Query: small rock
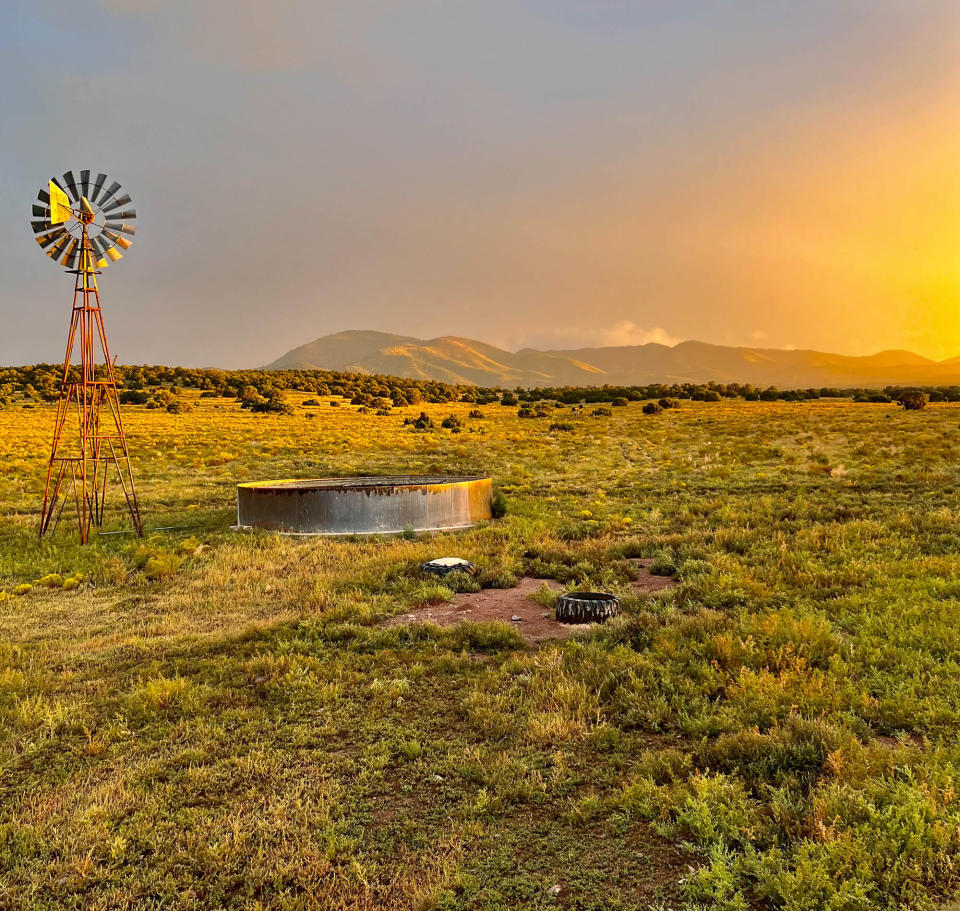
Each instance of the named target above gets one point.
<point>259,680</point>
<point>436,779</point>
<point>515,618</point>
<point>555,890</point>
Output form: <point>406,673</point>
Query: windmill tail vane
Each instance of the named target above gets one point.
<point>84,224</point>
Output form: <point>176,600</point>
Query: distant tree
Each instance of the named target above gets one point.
<point>912,400</point>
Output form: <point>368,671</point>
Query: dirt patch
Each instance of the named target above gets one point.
<point>533,621</point>
<point>644,582</point>
<point>912,739</point>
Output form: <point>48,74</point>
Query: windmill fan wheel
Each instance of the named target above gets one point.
<point>69,203</point>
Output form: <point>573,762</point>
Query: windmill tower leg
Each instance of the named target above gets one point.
<point>85,462</point>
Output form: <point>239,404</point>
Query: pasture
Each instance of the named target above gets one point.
<point>207,718</point>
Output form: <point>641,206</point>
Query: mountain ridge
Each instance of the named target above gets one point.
<point>453,359</point>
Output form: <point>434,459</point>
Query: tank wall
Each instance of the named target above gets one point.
<point>370,506</point>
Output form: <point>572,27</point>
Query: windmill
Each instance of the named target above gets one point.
<point>83,225</point>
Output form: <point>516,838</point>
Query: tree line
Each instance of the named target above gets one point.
<point>263,390</point>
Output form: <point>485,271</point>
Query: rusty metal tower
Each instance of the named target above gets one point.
<point>82,223</point>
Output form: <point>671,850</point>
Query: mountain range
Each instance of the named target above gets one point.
<point>461,360</point>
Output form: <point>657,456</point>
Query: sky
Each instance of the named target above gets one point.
<point>547,173</point>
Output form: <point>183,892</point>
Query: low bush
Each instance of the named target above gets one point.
<point>422,422</point>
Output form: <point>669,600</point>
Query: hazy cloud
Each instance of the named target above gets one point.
<point>621,333</point>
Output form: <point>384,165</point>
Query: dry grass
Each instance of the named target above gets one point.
<point>213,719</point>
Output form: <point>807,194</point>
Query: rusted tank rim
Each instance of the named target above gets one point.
<point>361,483</point>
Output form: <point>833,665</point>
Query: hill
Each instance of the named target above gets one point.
<point>460,360</point>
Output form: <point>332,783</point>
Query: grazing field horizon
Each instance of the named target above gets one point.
<point>206,718</point>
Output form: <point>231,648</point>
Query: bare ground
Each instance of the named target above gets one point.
<point>517,607</point>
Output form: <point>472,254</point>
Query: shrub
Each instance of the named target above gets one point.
<point>912,400</point>
<point>562,425</point>
<point>498,506</point>
<point>310,403</point>
<point>663,565</point>
<point>178,408</point>
<point>652,408</point>
<point>451,422</point>
<point>134,397</point>
<point>273,403</point>
<point>508,398</point>
<point>419,423</point>
<point>668,403</point>
<point>601,412</point>
<point>526,412</point>
<point>475,413</point>
<point>620,402</point>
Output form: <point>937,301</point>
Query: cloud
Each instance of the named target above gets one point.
<point>624,332</point>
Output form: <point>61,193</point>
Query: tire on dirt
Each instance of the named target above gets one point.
<point>587,607</point>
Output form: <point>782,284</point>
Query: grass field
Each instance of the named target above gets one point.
<point>212,719</point>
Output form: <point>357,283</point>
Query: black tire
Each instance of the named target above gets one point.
<point>440,570</point>
<point>587,607</point>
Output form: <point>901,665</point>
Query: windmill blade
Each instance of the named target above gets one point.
<point>44,197</point>
<point>41,211</point>
<point>100,246</point>
<point>110,191</point>
<point>48,239</point>
<point>114,254</point>
<point>122,201</point>
<point>122,227</point>
<point>58,248</point>
<point>70,257</point>
<point>97,187</point>
<point>40,226</point>
<point>71,183</point>
<point>123,243</point>
<point>85,182</point>
<point>124,215</point>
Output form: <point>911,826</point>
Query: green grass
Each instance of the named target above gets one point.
<point>211,719</point>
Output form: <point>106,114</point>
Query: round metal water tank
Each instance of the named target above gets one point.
<point>364,506</point>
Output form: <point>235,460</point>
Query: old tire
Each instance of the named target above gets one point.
<point>446,565</point>
<point>587,607</point>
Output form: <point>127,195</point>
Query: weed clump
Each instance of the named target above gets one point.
<point>420,424</point>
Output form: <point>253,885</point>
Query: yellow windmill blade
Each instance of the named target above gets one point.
<point>59,205</point>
